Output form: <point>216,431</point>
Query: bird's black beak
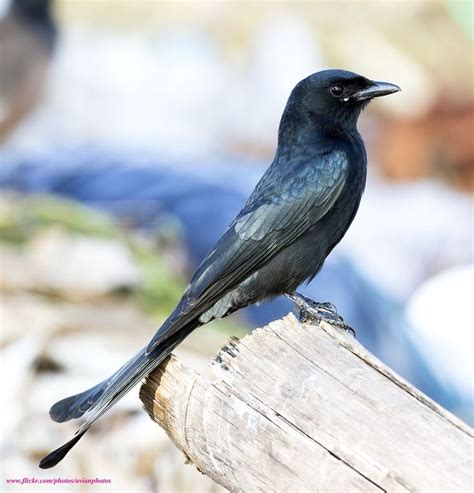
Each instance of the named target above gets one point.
<point>375,90</point>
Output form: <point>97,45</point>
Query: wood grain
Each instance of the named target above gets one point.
<point>302,408</point>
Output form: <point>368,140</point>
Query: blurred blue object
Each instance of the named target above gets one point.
<point>144,190</point>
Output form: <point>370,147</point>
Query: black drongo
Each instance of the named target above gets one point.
<point>298,212</point>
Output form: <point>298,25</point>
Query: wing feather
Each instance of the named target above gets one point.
<point>268,223</point>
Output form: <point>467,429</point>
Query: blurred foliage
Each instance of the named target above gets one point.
<point>21,219</point>
<point>160,289</point>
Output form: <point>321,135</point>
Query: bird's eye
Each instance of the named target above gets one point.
<point>337,90</point>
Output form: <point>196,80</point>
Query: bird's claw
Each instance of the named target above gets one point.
<point>312,312</point>
<point>340,324</point>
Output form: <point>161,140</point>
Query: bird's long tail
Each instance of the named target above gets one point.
<point>94,402</point>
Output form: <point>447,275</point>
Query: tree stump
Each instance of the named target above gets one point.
<point>304,408</point>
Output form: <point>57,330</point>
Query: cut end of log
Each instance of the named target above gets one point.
<point>294,407</point>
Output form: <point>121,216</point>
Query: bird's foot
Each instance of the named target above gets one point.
<point>312,312</point>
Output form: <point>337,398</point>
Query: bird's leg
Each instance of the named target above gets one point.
<point>313,307</point>
<point>313,312</point>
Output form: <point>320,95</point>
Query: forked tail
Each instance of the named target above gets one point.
<point>97,400</point>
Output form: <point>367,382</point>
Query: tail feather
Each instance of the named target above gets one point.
<point>96,401</point>
<point>58,455</point>
<point>75,406</point>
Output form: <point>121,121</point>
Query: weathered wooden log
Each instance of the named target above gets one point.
<point>296,408</point>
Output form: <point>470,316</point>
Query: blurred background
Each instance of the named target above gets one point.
<point>131,133</point>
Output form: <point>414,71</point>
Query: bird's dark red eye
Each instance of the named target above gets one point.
<point>337,90</point>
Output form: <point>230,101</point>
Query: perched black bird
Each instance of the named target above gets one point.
<point>298,212</point>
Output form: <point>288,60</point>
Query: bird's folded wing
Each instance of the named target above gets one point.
<point>270,221</point>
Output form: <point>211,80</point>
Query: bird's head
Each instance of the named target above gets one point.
<point>334,99</point>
